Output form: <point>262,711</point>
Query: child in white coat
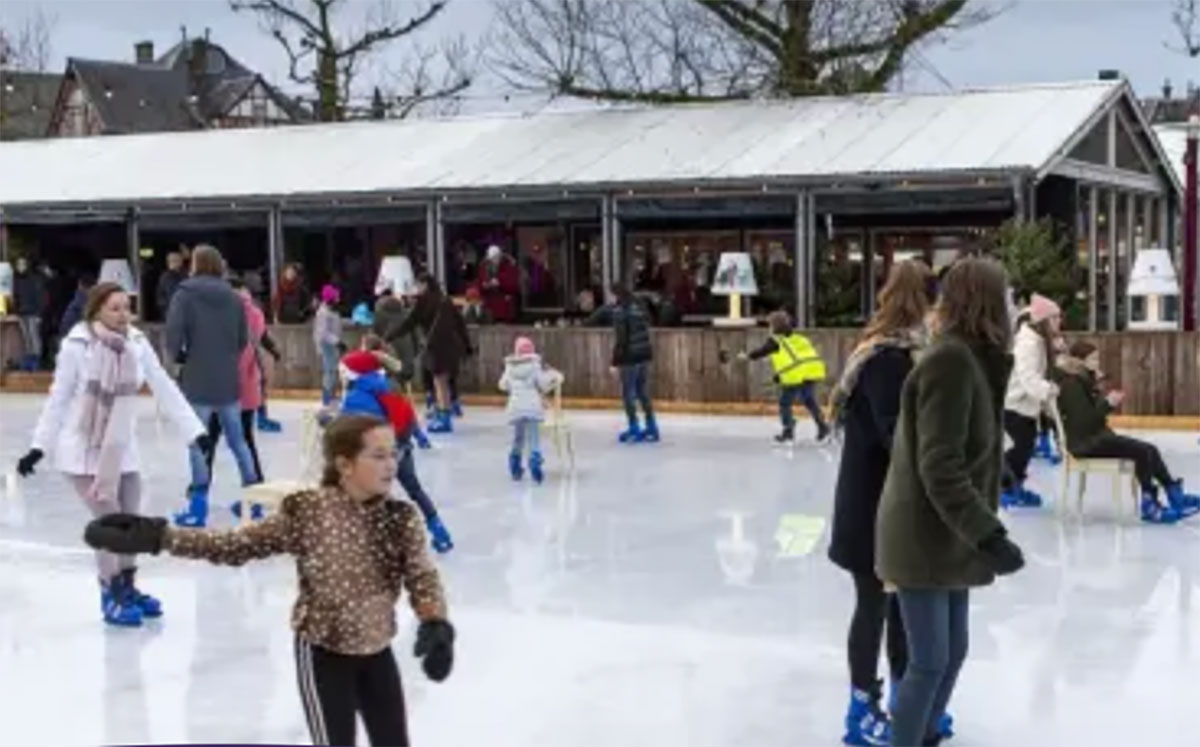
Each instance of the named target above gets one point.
<point>90,420</point>
<point>526,379</point>
<point>1030,392</point>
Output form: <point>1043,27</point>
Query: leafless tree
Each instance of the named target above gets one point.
<point>323,54</point>
<point>664,51</point>
<point>1186,17</point>
<point>28,46</point>
<point>432,79</point>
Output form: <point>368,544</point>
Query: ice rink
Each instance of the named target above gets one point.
<point>619,607</point>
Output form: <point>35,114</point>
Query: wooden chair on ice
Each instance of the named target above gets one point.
<point>560,432</point>
<point>1121,470</point>
<point>270,494</point>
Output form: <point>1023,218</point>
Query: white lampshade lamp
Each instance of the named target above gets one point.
<point>118,271</point>
<point>396,275</point>
<point>1153,292</point>
<point>734,278</point>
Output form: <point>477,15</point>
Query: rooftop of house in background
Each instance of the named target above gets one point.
<point>883,137</point>
<point>1170,106</point>
<point>26,102</point>
<point>196,85</point>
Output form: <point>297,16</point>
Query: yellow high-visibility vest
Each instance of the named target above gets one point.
<point>796,361</point>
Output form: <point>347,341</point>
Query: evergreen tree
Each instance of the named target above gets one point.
<point>1040,259</point>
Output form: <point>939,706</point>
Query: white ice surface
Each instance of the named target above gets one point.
<point>597,611</point>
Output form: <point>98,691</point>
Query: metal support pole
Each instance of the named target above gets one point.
<point>1191,263</point>
<point>274,248</point>
<point>133,246</point>
<point>606,241</point>
<point>1093,257</point>
<point>431,240</point>
<point>1148,218</point>
<point>1111,317</point>
<point>438,265</point>
<point>618,272</point>
<point>1020,214</point>
<point>3,243</point>
<point>801,259</point>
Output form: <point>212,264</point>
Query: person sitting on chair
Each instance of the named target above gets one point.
<point>1085,412</point>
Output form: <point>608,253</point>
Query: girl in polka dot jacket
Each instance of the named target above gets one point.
<point>355,549</point>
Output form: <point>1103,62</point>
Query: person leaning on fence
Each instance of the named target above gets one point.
<point>1084,410</point>
<point>798,368</point>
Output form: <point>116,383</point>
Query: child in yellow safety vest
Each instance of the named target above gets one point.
<point>798,367</point>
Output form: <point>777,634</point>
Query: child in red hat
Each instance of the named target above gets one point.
<point>367,392</point>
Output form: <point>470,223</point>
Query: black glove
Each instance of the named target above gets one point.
<point>26,463</point>
<point>126,534</point>
<point>435,648</point>
<point>1002,555</point>
<point>204,443</point>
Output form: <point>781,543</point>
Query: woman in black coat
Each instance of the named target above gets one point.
<point>447,343</point>
<point>866,405</point>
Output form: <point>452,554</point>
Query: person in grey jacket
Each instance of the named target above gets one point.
<point>29,300</point>
<point>327,336</point>
<point>206,332</point>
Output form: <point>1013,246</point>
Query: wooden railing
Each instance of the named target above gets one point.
<point>1159,371</point>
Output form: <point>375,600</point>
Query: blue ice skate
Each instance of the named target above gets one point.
<point>1020,497</point>
<point>195,516</point>
<point>422,440</point>
<point>442,423</point>
<point>1186,504</point>
<point>514,466</point>
<point>150,607</point>
<point>866,724</point>
<point>456,409</point>
<point>439,535</point>
<point>630,435</point>
<point>1154,512</point>
<point>1045,448</point>
<point>650,432</point>
<point>256,511</point>
<point>267,425</point>
<point>535,467</point>
<point>117,603</point>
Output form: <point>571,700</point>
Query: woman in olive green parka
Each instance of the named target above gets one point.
<point>937,534</point>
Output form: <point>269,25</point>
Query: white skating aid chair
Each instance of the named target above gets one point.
<point>560,431</point>
<point>270,494</point>
<point>1121,470</point>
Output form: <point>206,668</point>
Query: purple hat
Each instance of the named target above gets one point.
<point>330,294</point>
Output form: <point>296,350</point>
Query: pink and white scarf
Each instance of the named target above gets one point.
<point>109,407</point>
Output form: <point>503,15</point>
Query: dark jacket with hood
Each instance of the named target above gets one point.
<point>29,293</point>
<point>168,283</point>
<point>206,331</point>
<point>943,485</point>
<point>1083,408</point>
<point>869,422</point>
<point>632,344</point>
<point>390,314</point>
<point>447,341</point>
<point>293,303</point>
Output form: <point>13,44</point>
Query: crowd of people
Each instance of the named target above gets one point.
<point>942,378</point>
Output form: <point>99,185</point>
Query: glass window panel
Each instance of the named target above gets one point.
<point>542,259</point>
<point>674,270</point>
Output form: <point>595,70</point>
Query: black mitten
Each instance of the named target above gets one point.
<point>127,534</point>
<point>26,463</point>
<point>1002,555</point>
<point>435,648</point>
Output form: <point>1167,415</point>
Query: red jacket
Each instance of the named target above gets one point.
<point>500,300</point>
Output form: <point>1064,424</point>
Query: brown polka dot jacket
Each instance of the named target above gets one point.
<point>352,558</point>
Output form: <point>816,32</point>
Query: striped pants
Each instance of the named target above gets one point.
<point>334,688</point>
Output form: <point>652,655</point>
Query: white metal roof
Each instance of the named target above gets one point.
<point>1017,128</point>
<point>1173,138</point>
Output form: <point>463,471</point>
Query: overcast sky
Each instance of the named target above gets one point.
<point>1034,40</point>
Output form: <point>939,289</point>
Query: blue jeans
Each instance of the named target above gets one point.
<point>406,474</point>
<point>329,371</point>
<point>526,430</point>
<point>805,393</point>
<point>633,391</point>
<point>230,418</point>
<point>935,624</point>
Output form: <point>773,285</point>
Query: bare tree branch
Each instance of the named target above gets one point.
<point>322,53</point>
<point>1186,18</point>
<point>659,51</point>
<point>28,46</point>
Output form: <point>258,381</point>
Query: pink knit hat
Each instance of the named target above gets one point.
<point>1042,308</point>
<point>330,294</point>
<point>524,346</point>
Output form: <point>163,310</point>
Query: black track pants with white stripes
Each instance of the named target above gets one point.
<point>336,687</point>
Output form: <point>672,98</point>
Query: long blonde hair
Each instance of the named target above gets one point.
<point>903,302</point>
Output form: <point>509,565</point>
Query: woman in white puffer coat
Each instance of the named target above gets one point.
<point>1030,392</point>
<point>526,380</point>
<point>90,422</point>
